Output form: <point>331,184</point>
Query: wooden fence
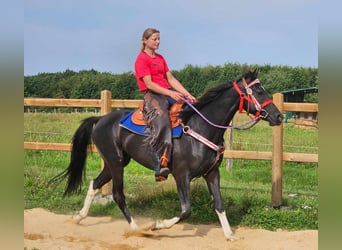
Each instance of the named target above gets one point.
<point>277,156</point>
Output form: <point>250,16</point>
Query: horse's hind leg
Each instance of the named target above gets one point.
<point>183,188</point>
<point>93,189</point>
<point>213,182</point>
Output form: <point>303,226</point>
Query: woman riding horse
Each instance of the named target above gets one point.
<point>195,154</point>
<point>155,79</point>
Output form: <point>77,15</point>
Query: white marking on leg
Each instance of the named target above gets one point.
<point>133,225</point>
<point>87,202</point>
<point>228,233</point>
<point>165,223</point>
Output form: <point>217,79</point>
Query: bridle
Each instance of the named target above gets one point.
<point>249,97</point>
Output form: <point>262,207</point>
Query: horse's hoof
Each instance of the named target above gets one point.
<point>232,238</point>
<point>154,227</point>
<point>76,218</point>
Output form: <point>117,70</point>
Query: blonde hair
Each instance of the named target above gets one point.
<point>146,35</point>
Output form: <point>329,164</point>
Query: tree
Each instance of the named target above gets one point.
<point>124,86</point>
<point>89,83</point>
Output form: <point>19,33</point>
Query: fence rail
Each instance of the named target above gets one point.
<point>231,154</point>
<point>277,156</point>
<point>79,103</point>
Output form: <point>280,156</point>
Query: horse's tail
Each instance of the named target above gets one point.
<point>76,169</point>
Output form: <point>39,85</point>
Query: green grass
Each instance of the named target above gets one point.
<point>295,140</point>
<point>246,189</point>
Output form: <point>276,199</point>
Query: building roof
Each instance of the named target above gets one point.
<point>297,95</point>
<point>301,91</point>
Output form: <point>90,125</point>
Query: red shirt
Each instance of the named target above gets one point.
<point>156,67</point>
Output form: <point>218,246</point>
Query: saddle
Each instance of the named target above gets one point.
<point>135,123</point>
<point>138,119</point>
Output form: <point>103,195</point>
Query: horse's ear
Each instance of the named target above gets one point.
<point>255,73</point>
<point>246,72</point>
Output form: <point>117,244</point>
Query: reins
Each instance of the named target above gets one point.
<point>249,98</point>
<point>253,121</point>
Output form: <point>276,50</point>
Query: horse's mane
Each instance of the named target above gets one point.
<point>208,96</point>
<point>215,92</point>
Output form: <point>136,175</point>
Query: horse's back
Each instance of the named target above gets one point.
<point>108,126</point>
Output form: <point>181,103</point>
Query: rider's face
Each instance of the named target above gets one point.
<point>153,41</point>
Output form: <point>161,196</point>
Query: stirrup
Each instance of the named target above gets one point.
<point>163,174</point>
<point>160,178</point>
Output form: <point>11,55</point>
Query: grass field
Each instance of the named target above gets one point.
<point>246,189</point>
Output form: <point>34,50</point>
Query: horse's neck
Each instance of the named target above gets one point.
<point>219,112</point>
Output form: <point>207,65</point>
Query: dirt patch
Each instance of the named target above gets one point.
<point>46,230</point>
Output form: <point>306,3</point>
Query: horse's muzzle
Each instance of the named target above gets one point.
<point>275,120</point>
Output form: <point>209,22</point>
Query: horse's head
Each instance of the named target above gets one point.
<point>255,100</point>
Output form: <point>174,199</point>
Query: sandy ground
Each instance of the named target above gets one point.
<point>46,230</point>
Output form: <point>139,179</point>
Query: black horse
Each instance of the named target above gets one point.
<point>192,157</point>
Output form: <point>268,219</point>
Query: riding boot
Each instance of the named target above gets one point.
<point>162,171</point>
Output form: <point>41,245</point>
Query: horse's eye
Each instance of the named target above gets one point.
<point>259,88</point>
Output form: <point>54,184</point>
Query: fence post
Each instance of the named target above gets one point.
<point>106,107</point>
<point>277,156</point>
<point>229,144</point>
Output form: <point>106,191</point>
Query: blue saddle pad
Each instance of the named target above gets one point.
<point>126,122</point>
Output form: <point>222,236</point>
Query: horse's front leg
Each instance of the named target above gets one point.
<point>183,188</point>
<point>119,196</point>
<point>213,182</point>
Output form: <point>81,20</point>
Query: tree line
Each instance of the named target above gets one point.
<point>88,84</point>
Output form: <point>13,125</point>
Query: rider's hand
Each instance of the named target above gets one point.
<point>178,97</point>
<point>191,98</point>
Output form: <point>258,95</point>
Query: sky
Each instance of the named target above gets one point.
<point>105,35</point>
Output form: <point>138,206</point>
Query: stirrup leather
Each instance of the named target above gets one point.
<point>163,159</point>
